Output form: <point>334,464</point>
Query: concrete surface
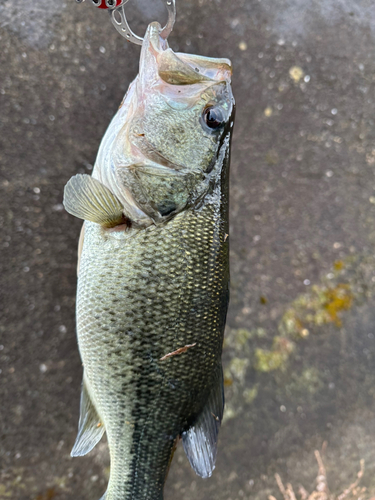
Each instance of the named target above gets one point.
<point>300,349</point>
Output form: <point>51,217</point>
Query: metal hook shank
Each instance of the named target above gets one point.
<point>120,22</point>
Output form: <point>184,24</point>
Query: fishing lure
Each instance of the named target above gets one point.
<point>104,4</point>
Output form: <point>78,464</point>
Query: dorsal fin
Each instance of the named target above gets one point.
<point>90,428</point>
<point>200,441</point>
<point>88,199</point>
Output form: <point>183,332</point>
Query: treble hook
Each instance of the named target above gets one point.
<point>124,29</point>
<point>104,4</point>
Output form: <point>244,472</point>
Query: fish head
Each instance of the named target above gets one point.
<point>180,112</point>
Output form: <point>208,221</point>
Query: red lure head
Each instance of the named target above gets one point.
<point>103,4</point>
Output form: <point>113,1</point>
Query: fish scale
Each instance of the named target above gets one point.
<point>168,286</point>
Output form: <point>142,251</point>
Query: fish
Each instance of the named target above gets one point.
<point>153,272</point>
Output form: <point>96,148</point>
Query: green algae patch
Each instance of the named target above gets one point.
<point>250,395</point>
<point>276,358</point>
<point>323,305</point>
<point>339,299</point>
<point>338,265</point>
<point>265,354</point>
<point>308,382</point>
<point>236,370</point>
<point>238,339</point>
<point>4,493</point>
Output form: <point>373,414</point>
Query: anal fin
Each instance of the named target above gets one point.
<point>90,428</point>
<point>200,441</point>
<point>88,199</point>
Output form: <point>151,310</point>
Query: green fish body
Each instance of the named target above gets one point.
<point>153,281</point>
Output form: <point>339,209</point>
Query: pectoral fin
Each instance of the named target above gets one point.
<point>200,441</point>
<point>88,199</point>
<point>90,428</point>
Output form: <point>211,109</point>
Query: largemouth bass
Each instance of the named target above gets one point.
<point>153,280</point>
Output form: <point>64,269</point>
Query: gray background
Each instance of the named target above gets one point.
<point>300,348</point>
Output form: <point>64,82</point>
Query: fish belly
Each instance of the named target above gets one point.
<point>143,294</point>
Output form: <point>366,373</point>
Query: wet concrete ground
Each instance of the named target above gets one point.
<point>300,348</point>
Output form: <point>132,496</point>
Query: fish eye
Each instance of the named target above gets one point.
<point>213,117</point>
